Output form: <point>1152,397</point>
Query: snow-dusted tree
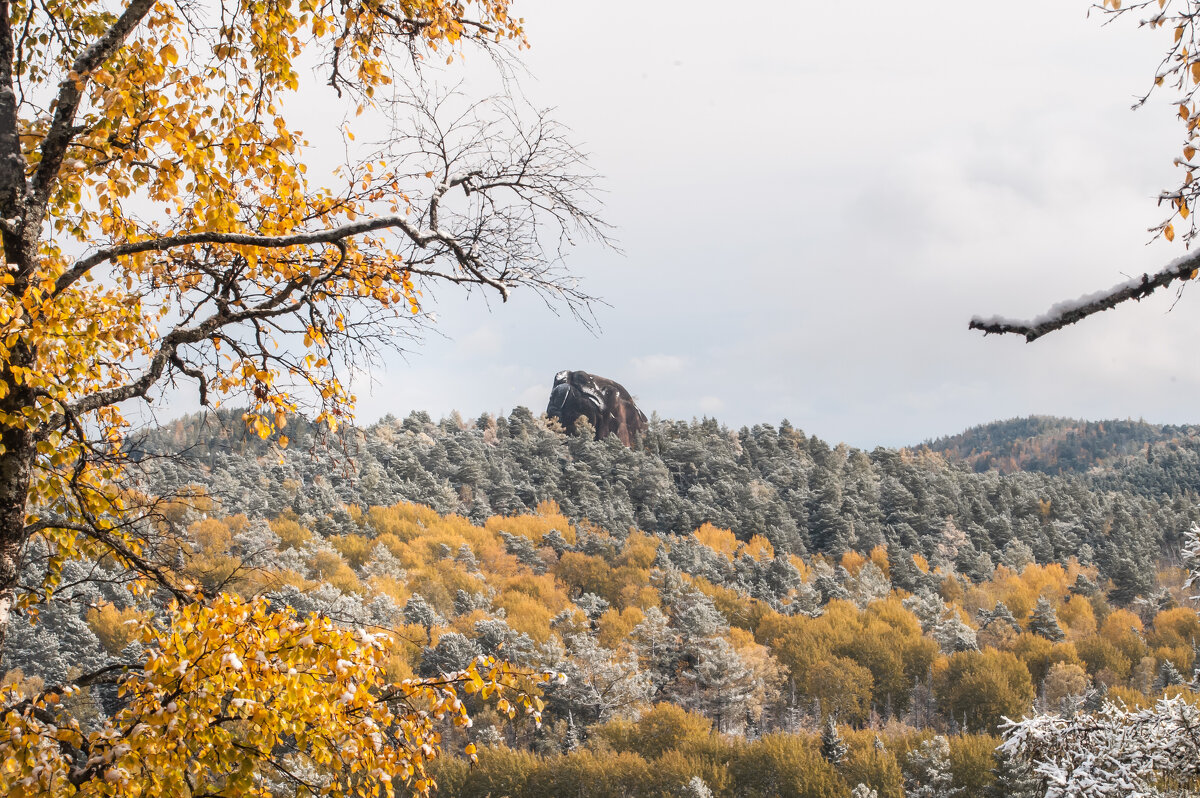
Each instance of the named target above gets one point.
<point>453,652</point>
<point>499,640</point>
<point>804,600</point>
<point>869,584</point>
<point>696,788</point>
<point>1044,621</point>
<point>952,635</point>
<point>716,682</point>
<point>827,581</point>
<point>592,605</point>
<point>833,747</point>
<point>600,684</point>
<point>1168,675</point>
<point>927,771</point>
<point>383,563</point>
<point>929,609</point>
<point>1000,614</point>
<point>418,612</point>
<point>524,550</point>
<point>573,736</point>
<point>1147,753</point>
<point>1013,777</point>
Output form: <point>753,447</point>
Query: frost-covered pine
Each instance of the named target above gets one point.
<point>869,584</point>
<point>833,747</point>
<point>952,635</point>
<point>418,612</point>
<point>1148,753</point>
<point>454,652</point>
<point>1168,676</point>
<point>1094,698</point>
<point>1000,614</point>
<point>1013,777</point>
<point>573,738</point>
<point>927,771</point>
<point>1044,621</point>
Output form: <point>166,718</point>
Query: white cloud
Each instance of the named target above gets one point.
<point>652,366</point>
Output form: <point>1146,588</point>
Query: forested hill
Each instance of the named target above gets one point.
<point>1062,445</point>
<point>797,491</point>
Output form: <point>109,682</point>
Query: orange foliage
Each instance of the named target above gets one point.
<point>717,539</point>
<point>852,561</point>
<point>760,548</point>
<point>879,556</point>
<point>115,628</point>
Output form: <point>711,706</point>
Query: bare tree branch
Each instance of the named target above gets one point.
<point>1072,311</point>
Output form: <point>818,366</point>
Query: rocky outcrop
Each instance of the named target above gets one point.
<point>604,403</point>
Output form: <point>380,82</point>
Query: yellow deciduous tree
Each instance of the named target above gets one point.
<point>160,224</point>
<point>163,223</point>
<point>235,698</point>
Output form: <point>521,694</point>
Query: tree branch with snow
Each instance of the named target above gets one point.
<point>1071,311</point>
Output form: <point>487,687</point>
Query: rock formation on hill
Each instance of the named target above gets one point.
<point>604,403</point>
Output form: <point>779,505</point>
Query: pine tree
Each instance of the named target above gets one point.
<point>833,747</point>
<point>1013,778</point>
<point>999,614</point>
<point>927,771</point>
<point>1168,676</point>
<point>574,736</point>
<point>952,635</point>
<point>1044,621</point>
<point>418,612</point>
<point>1094,698</point>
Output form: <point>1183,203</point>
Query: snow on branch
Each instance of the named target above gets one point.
<point>1074,310</point>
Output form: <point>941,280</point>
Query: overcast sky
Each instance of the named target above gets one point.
<point>813,199</point>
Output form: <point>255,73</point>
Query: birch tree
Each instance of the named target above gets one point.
<point>163,225</point>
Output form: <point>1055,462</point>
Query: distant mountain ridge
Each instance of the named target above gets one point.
<point>1052,445</point>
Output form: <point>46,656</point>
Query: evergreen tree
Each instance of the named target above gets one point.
<point>927,771</point>
<point>1094,698</point>
<point>999,614</point>
<point>453,652</point>
<point>1044,621</point>
<point>1013,778</point>
<point>952,635</point>
<point>573,738</point>
<point>418,612</point>
<point>833,747</point>
<point>1168,676</point>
